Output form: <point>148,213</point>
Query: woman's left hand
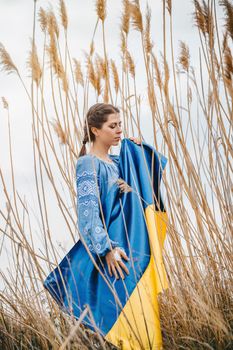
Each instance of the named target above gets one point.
<point>135,139</point>
<point>124,187</point>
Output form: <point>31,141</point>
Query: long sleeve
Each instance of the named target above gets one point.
<point>90,224</point>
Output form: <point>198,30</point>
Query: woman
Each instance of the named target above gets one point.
<point>116,267</point>
<point>103,124</point>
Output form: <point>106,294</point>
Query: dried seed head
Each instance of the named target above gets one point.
<point>52,24</point>
<point>123,42</point>
<point>60,132</point>
<point>78,72</point>
<point>5,103</point>
<point>147,39</point>
<point>98,83</point>
<point>101,9</point>
<point>106,93</point>
<point>228,63</point>
<point>228,9</point>
<point>199,17</point>
<point>125,19</point>
<point>63,14</point>
<point>101,66</point>
<point>166,76</point>
<point>157,71</point>
<point>92,76</point>
<point>136,16</point>
<point>184,58</point>
<point>92,48</point>
<point>169,6</point>
<point>115,76</point>
<point>130,63</point>
<point>6,62</point>
<point>34,65</point>
<point>43,19</point>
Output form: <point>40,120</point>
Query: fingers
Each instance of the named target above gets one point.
<point>115,266</point>
<point>135,139</point>
<point>112,268</point>
<point>122,253</point>
<point>114,271</point>
<point>109,270</point>
<point>125,187</point>
<point>119,265</point>
<point>124,267</point>
<point>119,270</point>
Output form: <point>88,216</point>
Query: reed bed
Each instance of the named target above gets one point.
<point>190,112</point>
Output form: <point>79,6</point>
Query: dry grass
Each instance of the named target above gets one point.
<point>195,125</point>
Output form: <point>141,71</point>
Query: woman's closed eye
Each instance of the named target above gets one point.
<point>114,125</point>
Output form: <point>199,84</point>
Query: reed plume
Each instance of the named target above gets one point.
<point>123,42</point>
<point>57,65</point>
<point>125,18</point>
<point>101,66</point>
<point>98,86</point>
<point>199,18</point>
<point>92,75</point>
<point>169,6</point>
<point>147,35</point>
<point>136,16</point>
<point>52,48</point>
<point>184,57</point>
<point>106,93</point>
<point>228,68</point>
<point>52,24</point>
<point>101,9</point>
<point>228,61</point>
<point>34,64</point>
<point>130,63</point>
<point>115,76</point>
<point>6,62</point>
<point>92,48</point>
<point>5,103</point>
<point>158,76</point>
<point>42,15</point>
<point>78,72</point>
<point>228,9</point>
<point>63,14</point>
<point>61,134</point>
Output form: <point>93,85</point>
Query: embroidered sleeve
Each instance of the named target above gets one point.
<point>90,225</point>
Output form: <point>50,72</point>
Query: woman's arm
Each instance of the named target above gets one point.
<point>90,225</point>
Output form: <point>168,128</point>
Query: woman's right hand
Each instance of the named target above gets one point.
<point>115,264</point>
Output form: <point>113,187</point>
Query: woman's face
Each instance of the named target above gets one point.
<point>110,133</point>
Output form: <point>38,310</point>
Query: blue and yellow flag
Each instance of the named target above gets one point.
<point>125,311</point>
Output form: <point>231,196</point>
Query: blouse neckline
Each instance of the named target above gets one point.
<point>93,155</point>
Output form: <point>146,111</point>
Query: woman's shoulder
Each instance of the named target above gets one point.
<point>86,162</point>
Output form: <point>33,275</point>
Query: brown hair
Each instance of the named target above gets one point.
<point>96,116</point>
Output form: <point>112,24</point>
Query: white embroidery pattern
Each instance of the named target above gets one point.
<point>87,189</point>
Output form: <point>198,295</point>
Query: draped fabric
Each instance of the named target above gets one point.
<point>125,311</point>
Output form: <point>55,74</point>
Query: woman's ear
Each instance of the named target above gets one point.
<point>94,130</point>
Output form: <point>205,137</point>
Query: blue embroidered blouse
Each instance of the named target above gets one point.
<point>89,170</point>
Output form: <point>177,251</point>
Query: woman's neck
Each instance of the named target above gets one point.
<point>100,151</point>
